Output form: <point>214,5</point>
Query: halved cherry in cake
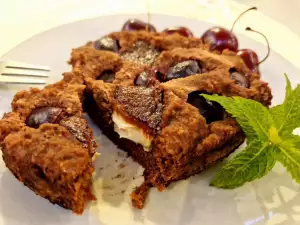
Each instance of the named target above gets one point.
<point>183,69</point>
<point>183,31</point>
<point>219,38</point>
<point>137,25</point>
<point>43,115</point>
<point>107,43</point>
<point>107,76</point>
<point>147,79</point>
<point>76,125</point>
<point>142,79</point>
<point>211,111</point>
<point>239,78</point>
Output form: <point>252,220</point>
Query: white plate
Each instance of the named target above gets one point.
<point>271,200</point>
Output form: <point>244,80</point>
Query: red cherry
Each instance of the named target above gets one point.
<point>137,25</point>
<point>179,30</point>
<point>250,58</point>
<point>219,38</point>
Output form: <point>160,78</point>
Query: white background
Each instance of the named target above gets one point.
<point>22,19</point>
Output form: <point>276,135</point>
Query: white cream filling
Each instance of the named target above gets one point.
<point>131,132</point>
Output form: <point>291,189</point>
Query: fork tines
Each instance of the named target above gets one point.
<point>15,72</point>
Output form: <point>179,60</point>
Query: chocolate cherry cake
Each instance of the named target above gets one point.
<point>143,90</point>
<point>47,144</point>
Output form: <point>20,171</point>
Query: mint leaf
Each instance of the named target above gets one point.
<point>287,115</point>
<point>288,88</point>
<point>278,115</point>
<point>251,115</point>
<point>290,158</point>
<point>288,118</point>
<point>270,138</point>
<point>294,140</point>
<point>254,162</point>
<point>278,111</point>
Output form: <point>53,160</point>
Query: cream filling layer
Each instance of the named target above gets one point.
<point>131,132</point>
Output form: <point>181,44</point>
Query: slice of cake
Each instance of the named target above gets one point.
<point>47,144</point>
<point>143,90</point>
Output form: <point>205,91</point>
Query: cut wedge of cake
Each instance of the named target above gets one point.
<point>48,146</point>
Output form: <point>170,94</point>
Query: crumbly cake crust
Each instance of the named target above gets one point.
<point>54,160</point>
<point>133,80</point>
<point>184,143</point>
<point>141,104</point>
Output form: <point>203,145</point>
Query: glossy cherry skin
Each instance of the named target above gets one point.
<point>107,43</point>
<point>240,79</point>
<point>250,58</point>
<point>147,79</point>
<point>183,31</point>
<point>107,76</point>
<point>142,79</point>
<point>218,39</point>
<point>137,25</point>
<point>183,69</point>
<point>43,115</point>
<point>211,111</point>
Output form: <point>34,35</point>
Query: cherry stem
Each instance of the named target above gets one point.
<point>252,8</point>
<point>268,44</point>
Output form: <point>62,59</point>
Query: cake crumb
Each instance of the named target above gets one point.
<point>108,187</point>
<point>117,176</point>
<point>122,154</point>
<point>122,165</point>
<point>124,181</point>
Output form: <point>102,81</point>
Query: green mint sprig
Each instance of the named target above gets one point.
<point>270,138</point>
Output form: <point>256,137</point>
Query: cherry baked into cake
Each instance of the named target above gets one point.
<point>47,144</point>
<point>143,88</point>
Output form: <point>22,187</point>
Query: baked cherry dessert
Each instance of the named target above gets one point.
<point>143,88</point>
<point>48,146</point>
<point>150,105</point>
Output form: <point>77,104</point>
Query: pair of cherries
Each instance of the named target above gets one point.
<point>217,38</point>
<point>137,25</point>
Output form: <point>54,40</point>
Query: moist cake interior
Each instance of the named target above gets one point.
<point>148,91</point>
<point>143,89</point>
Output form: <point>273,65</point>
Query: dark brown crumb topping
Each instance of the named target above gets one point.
<point>79,128</point>
<point>47,144</point>
<point>153,80</point>
<point>140,53</point>
<point>144,104</point>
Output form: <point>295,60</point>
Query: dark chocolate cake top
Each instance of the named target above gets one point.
<point>142,103</point>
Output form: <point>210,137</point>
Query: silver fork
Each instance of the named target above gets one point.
<point>22,73</point>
